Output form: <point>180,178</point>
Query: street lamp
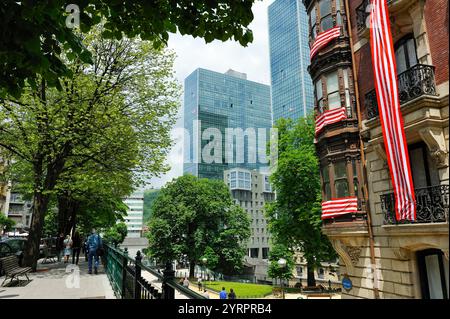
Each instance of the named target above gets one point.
<point>282,264</point>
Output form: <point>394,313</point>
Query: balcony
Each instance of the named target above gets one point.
<point>432,206</point>
<point>363,13</point>
<point>413,83</point>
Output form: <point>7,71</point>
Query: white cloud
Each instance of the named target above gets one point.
<point>218,56</point>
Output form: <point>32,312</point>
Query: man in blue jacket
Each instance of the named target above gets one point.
<point>94,242</point>
<point>223,294</point>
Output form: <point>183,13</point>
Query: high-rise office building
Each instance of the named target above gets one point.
<point>135,214</point>
<point>292,89</point>
<point>228,119</point>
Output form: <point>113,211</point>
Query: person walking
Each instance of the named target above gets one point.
<point>67,248</point>
<point>199,282</point>
<point>76,247</point>
<point>94,243</point>
<point>231,295</point>
<point>205,294</point>
<point>59,246</point>
<point>186,282</point>
<point>85,249</point>
<point>223,294</point>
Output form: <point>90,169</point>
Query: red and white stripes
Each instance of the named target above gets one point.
<point>341,206</point>
<point>323,39</point>
<point>330,117</point>
<point>384,66</point>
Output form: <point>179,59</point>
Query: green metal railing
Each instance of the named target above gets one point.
<point>124,273</point>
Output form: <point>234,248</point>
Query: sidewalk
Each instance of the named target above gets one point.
<point>52,281</point>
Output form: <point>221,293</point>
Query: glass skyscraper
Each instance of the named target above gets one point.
<point>292,88</point>
<point>221,102</point>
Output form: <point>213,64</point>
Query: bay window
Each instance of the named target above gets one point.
<point>332,91</point>
<point>340,179</point>
<point>326,183</point>
<point>324,15</point>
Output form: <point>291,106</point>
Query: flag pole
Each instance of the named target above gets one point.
<point>363,158</point>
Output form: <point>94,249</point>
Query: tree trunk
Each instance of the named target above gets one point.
<point>191,269</point>
<point>311,280</point>
<point>31,250</point>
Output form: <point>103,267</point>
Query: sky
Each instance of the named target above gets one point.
<point>217,56</point>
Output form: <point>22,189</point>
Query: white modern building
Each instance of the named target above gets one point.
<point>251,190</point>
<point>135,214</point>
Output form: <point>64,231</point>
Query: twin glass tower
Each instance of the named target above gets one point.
<point>217,102</point>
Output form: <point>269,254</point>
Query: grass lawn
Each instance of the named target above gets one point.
<point>242,290</point>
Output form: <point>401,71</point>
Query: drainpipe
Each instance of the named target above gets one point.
<point>363,158</point>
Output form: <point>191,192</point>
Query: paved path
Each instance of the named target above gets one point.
<point>55,281</point>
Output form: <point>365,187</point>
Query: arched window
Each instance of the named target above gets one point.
<point>405,53</point>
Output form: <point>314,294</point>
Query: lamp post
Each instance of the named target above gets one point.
<point>282,264</point>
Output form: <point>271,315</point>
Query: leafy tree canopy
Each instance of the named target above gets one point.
<point>275,271</point>
<point>295,216</point>
<point>116,234</point>
<point>35,34</point>
<point>198,217</point>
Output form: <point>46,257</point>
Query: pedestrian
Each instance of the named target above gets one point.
<point>94,244</point>
<point>205,294</point>
<point>223,294</point>
<point>85,249</point>
<point>59,246</point>
<point>231,295</point>
<point>67,248</point>
<point>199,284</point>
<point>76,246</point>
<point>186,282</point>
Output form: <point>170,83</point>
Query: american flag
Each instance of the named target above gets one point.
<point>323,39</point>
<point>341,206</point>
<point>330,117</point>
<point>384,67</point>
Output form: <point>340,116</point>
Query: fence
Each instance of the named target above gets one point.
<point>125,275</point>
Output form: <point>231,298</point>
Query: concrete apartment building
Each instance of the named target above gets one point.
<point>251,190</point>
<point>401,259</point>
<point>135,214</point>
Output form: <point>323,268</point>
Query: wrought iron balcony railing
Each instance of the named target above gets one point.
<point>414,82</point>
<point>362,13</point>
<point>432,206</point>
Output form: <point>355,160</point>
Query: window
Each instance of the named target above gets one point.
<point>312,23</point>
<point>254,252</point>
<point>319,95</point>
<point>265,253</point>
<point>326,183</point>
<point>326,19</point>
<point>405,53</point>
<point>433,272</point>
<point>333,97</point>
<point>355,178</point>
<point>340,179</point>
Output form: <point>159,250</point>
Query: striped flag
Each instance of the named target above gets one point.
<point>338,207</point>
<point>323,39</point>
<point>384,67</point>
<point>330,117</point>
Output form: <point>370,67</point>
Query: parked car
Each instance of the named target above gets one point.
<point>12,246</point>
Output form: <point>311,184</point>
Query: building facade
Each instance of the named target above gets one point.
<point>135,214</point>
<point>19,210</point>
<point>214,103</point>
<point>291,85</point>
<point>251,190</point>
<point>383,257</point>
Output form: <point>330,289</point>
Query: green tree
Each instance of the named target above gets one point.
<point>277,252</point>
<point>149,198</point>
<point>6,224</point>
<point>112,118</point>
<point>35,37</point>
<point>191,215</point>
<point>295,216</point>
<point>116,234</point>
